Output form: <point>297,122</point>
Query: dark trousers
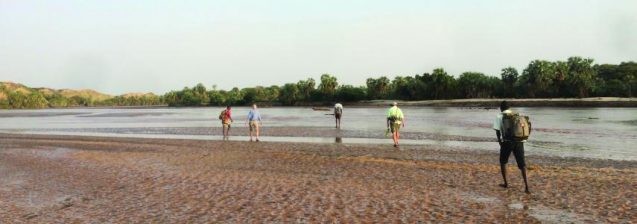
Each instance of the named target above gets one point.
<point>518,151</point>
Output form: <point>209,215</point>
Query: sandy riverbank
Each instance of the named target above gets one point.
<point>65,179</point>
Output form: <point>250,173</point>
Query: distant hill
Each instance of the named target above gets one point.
<point>18,96</point>
<point>84,93</point>
<point>10,87</point>
<point>46,91</point>
<point>137,94</point>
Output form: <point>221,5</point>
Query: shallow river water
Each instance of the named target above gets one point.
<point>605,133</point>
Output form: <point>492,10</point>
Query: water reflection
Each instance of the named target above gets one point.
<point>338,140</point>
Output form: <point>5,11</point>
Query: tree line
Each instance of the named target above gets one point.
<point>574,77</point>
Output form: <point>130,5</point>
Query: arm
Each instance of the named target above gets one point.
<point>497,126</point>
<point>497,133</point>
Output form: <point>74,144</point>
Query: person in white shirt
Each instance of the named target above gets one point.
<point>338,112</point>
<point>507,146</point>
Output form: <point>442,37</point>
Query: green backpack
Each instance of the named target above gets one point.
<point>515,127</point>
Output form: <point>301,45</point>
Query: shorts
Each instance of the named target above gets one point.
<point>518,151</point>
<point>337,115</point>
<point>225,124</point>
<point>254,125</point>
<point>394,127</point>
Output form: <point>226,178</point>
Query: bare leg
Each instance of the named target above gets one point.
<point>395,138</point>
<point>503,170</point>
<point>526,185</point>
<point>257,129</point>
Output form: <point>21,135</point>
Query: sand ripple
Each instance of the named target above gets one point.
<point>128,180</point>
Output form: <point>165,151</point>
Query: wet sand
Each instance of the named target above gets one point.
<point>46,179</point>
<point>242,130</point>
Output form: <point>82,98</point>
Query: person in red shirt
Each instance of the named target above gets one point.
<point>226,121</point>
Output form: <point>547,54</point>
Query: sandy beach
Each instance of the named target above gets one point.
<point>46,179</point>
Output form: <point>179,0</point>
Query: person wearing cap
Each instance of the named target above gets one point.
<point>395,119</point>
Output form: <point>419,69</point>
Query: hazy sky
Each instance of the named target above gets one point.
<point>136,46</point>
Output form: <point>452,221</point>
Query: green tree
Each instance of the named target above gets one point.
<point>172,99</point>
<point>328,86</point>
<point>613,87</point>
<point>477,85</point>
<point>234,97</point>
<point>200,95</point>
<point>188,98</point>
<point>607,72</point>
<point>405,88</point>
<point>348,93</point>
<point>249,95</point>
<point>272,94</point>
<point>290,94</point>
<point>580,75</point>
<point>509,76</point>
<point>628,73</point>
<point>218,98</point>
<point>560,84</point>
<point>306,87</point>
<point>424,86</point>
<point>444,85</point>
<point>378,88</point>
<point>536,79</point>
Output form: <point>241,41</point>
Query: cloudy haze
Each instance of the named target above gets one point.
<point>136,46</point>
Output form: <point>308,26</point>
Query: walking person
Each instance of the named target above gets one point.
<point>395,119</point>
<point>512,130</point>
<point>338,112</point>
<point>226,121</point>
<point>254,122</point>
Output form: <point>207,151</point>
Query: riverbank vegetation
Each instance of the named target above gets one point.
<point>574,77</point>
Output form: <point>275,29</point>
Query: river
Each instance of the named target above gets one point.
<point>603,133</point>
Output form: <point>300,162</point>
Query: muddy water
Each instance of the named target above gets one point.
<point>606,133</point>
